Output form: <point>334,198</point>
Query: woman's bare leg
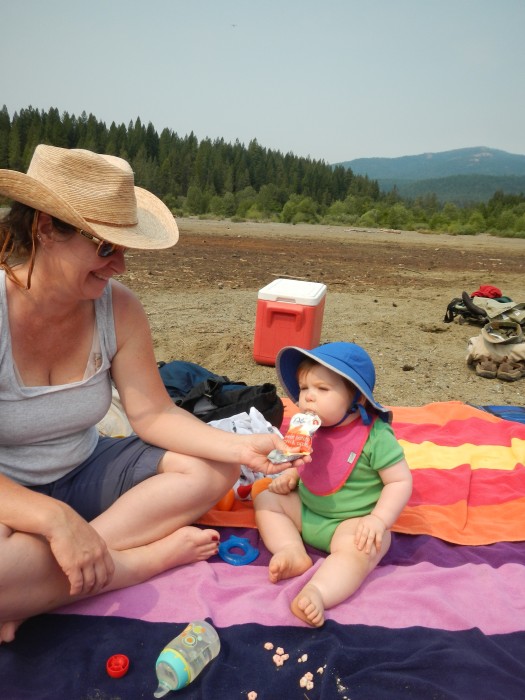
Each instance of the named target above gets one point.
<point>147,531</point>
<point>31,581</point>
<point>184,489</point>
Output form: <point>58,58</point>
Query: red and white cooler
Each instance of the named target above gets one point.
<point>289,312</point>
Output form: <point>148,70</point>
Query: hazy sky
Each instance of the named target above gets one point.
<point>330,79</point>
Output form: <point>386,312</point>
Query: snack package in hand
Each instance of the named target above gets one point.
<point>299,435</point>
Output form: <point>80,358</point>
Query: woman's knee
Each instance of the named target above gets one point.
<point>229,472</point>
<point>5,531</point>
<point>219,474</point>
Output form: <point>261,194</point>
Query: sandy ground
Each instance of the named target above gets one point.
<point>386,290</point>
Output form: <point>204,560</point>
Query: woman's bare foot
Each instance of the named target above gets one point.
<point>308,605</point>
<point>186,545</point>
<point>189,544</point>
<point>8,630</point>
<point>287,563</point>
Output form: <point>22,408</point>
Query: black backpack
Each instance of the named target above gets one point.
<point>210,396</point>
<point>481,310</point>
<point>467,311</point>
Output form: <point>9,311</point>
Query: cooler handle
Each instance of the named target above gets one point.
<point>274,309</point>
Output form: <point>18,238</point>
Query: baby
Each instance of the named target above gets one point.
<point>348,497</point>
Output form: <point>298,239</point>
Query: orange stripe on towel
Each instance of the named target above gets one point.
<point>440,413</point>
<point>241,515</point>
<point>460,524</point>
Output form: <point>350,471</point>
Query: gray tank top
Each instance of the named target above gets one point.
<point>46,431</point>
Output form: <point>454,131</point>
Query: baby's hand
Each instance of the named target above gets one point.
<point>285,482</point>
<point>370,531</point>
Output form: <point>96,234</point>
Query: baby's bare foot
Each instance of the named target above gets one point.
<point>288,563</point>
<point>308,605</point>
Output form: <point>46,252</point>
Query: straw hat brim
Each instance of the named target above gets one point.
<point>155,229</point>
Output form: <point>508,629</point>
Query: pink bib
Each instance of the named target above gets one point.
<point>335,454</point>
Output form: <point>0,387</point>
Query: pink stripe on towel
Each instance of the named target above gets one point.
<point>394,597</point>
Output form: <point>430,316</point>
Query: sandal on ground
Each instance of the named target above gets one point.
<point>510,371</point>
<point>487,368</point>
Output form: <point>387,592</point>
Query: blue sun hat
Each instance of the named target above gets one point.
<point>347,359</point>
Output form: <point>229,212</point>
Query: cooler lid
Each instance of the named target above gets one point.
<point>293,292</point>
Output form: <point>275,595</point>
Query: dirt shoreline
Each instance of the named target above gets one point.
<point>387,290</point>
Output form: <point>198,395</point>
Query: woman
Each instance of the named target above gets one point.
<point>80,514</point>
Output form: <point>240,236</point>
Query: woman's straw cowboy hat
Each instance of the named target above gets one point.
<point>95,193</point>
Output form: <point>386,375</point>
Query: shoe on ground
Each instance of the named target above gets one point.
<point>509,371</point>
<point>486,368</point>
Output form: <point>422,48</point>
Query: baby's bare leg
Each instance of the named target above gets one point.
<point>278,519</point>
<point>340,575</point>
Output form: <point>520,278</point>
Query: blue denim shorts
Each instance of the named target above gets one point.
<point>115,466</point>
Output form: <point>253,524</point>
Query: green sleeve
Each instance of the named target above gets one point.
<point>382,448</point>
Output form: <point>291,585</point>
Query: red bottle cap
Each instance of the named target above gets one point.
<point>117,665</point>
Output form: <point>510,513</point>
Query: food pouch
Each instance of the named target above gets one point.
<point>299,435</point>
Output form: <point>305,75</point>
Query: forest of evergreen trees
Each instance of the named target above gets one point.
<point>223,180</point>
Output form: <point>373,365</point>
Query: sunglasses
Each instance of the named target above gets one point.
<point>104,248</point>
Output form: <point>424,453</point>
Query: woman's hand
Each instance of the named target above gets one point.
<point>254,450</point>
<point>369,532</point>
<point>81,553</point>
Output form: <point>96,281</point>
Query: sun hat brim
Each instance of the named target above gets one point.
<point>346,359</point>
<point>153,225</point>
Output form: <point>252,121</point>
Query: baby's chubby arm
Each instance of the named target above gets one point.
<point>285,482</point>
<point>397,488</point>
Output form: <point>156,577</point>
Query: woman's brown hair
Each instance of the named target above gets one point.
<point>17,239</point>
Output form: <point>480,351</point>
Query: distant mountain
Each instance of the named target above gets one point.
<point>465,174</point>
<point>462,161</point>
<point>459,189</point>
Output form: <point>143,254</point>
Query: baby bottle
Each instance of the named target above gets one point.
<point>181,661</point>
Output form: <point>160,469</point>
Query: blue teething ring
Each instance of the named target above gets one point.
<point>249,552</point>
